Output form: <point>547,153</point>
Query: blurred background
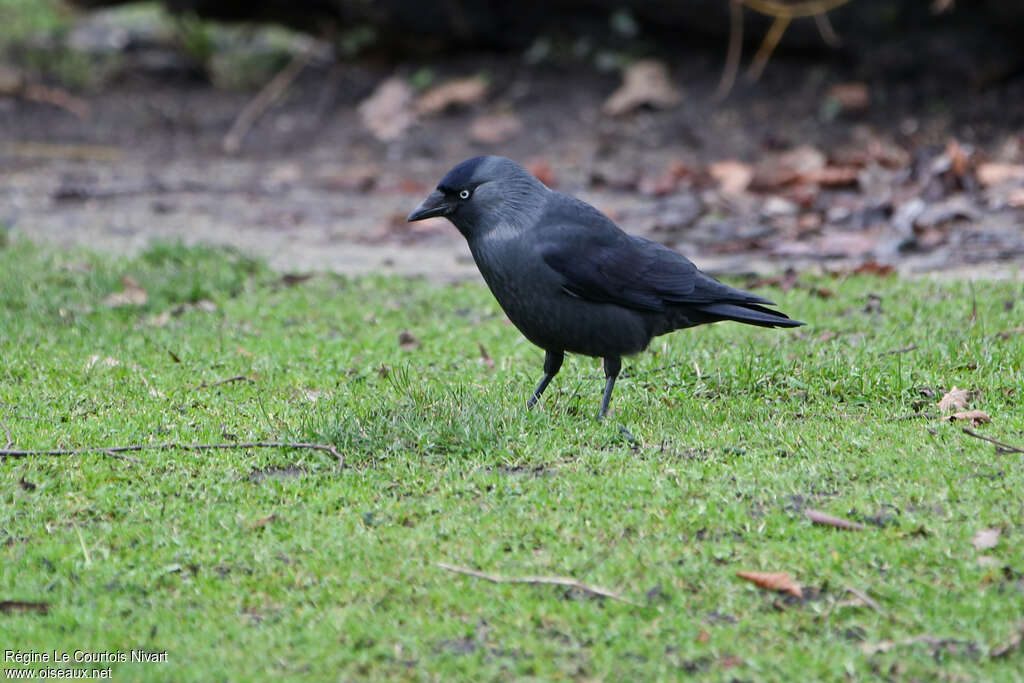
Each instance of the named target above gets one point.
<point>754,136</point>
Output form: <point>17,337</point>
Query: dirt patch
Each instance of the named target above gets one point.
<point>312,189</point>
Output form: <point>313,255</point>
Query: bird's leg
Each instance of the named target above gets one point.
<point>552,364</point>
<point>612,367</point>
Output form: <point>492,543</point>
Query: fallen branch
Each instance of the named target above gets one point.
<point>1003,447</point>
<point>565,581</point>
<point>114,450</point>
<point>266,97</point>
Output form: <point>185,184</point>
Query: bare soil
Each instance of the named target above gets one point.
<point>312,189</point>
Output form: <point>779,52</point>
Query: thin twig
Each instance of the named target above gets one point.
<point>866,599</point>
<point>828,34</point>
<point>111,450</point>
<point>10,440</point>
<point>894,352</point>
<point>565,581</point>
<point>123,457</point>
<point>732,56</point>
<point>266,97</point>
<point>764,53</point>
<point>1006,448</point>
<point>204,385</point>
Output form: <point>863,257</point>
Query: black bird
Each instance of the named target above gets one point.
<point>570,279</point>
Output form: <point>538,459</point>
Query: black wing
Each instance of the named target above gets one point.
<point>600,262</point>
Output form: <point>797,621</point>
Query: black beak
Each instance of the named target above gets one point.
<point>434,205</point>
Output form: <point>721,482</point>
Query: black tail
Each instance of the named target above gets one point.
<point>751,314</point>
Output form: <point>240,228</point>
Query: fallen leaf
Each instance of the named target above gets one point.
<point>959,158</point>
<point>852,96</point>
<point>819,517</point>
<point>986,539</point>
<point>832,176</point>
<point>874,268</point>
<point>776,581</point>
<point>132,295</point>
<point>458,92</point>
<point>996,173</point>
<point>975,417</point>
<point>955,399</point>
<point>493,129</point>
<point>703,637</point>
<point>408,342</point>
<point>485,357</point>
<point>542,171</point>
<point>18,606</point>
<point>733,176</point>
<point>644,83</point>
<point>263,521</point>
<point>387,113</point>
<point>1012,332</point>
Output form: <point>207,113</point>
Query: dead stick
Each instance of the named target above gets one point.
<point>734,52</point>
<point>10,441</point>
<point>204,385</point>
<point>566,581</point>
<point>894,352</point>
<point>270,93</point>
<point>123,457</point>
<point>110,450</point>
<point>1005,446</point>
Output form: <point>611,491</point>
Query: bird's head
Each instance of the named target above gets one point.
<point>483,194</point>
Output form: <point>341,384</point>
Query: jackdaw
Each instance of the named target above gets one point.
<point>570,279</point>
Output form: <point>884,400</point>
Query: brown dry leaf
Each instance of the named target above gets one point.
<point>387,113</point>
<point>775,581</point>
<point>997,173</point>
<point>132,295</point>
<point>733,176</point>
<point>819,517</point>
<point>986,539</point>
<point>852,96</point>
<point>459,92</point>
<point>485,357</point>
<point>832,176</point>
<point>955,399</point>
<point>703,637</point>
<point>408,342</point>
<point>874,268</point>
<point>493,129</point>
<point>644,83</point>
<point>542,171</point>
<point>975,417</point>
<point>263,521</point>
<point>959,158</point>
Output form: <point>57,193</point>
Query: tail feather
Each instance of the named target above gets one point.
<point>751,314</point>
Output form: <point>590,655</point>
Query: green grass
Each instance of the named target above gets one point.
<point>741,432</point>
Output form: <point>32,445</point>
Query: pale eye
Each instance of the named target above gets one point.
<point>464,195</point>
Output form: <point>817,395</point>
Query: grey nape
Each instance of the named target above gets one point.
<point>570,279</point>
